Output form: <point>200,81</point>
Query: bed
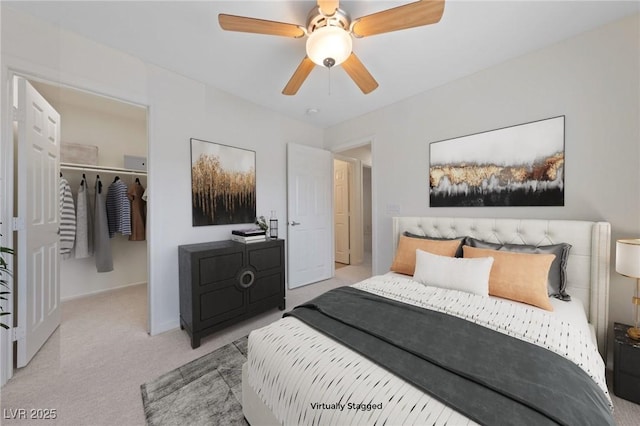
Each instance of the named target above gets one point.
<point>298,375</point>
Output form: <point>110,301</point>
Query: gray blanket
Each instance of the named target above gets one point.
<point>491,378</point>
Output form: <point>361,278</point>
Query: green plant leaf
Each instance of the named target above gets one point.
<point>4,270</point>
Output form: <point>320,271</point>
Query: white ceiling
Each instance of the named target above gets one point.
<point>185,37</point>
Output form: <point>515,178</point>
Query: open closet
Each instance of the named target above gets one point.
<point>102,239</point>
<point>105,133</point>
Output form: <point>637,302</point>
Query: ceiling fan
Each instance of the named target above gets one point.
<point>329,30</point>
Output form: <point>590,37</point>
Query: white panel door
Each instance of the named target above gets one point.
<point>341,210</point>
<point>38,208</point>
<point>310,213</point>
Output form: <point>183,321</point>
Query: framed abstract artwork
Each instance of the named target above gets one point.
<point>521,165</point>
<point>223,184</point>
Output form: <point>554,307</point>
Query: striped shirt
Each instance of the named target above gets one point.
<point>118,209</point>
<point>67,218</point>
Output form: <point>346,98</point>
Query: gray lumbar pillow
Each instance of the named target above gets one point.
<point>425,237</point>
<point>557,283</point>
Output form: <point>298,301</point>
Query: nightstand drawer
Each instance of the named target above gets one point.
<point>627,386</point>
<point>628,360</point>
<point>626,365</point>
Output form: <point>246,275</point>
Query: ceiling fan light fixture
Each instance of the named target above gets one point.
<point>329,46</point>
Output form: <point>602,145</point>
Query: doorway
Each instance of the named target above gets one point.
<point>357,161</point>
<point>102,140</point>
<point>342,173</point>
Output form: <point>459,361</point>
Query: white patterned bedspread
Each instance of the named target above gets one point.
<point>305,377</point>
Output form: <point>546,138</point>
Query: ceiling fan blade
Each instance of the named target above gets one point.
<point>258,26</point>
<point>410,15</point>
<point>359,74</point>
<point>328,7</point>
<point>298,77</point>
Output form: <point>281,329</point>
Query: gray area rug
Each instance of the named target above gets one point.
<point>205,391</point>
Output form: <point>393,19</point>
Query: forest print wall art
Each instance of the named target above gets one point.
<point>223,184</point>
<point>521,165</point>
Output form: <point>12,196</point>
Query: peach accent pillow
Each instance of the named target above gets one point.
<point>517,276</point>
<point>405,260</point>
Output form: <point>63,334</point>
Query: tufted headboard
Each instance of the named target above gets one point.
<point>587,267</point>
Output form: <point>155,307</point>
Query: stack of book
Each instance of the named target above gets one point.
<point>248,235</point>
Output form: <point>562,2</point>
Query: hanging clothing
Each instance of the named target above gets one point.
<point>118,209</point>
<point>84,222</point>
<point>102,244</point>
<point>67,218</point>
<point>138,213</point>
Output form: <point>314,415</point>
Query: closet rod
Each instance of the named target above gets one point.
<point>101,169</point>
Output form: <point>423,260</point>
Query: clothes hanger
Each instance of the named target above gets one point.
<point>99,183</point>
<point>138,181</point>
<point>84,179</point>
<point>116,179</point>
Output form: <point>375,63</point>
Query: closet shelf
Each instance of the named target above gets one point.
<point>101,169</point>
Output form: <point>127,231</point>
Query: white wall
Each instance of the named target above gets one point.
<point>114,135</point>
<point>179,109</point>
<point>593,79</point>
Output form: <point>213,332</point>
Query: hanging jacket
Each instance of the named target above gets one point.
<point>138,212</point>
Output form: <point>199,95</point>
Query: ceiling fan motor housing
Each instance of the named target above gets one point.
<point>316,19</point>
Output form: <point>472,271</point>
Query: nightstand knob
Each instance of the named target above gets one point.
<point>246,278</point>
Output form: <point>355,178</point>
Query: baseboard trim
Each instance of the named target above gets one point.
<point>93,293</point>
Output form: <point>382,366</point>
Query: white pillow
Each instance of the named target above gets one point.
<point>465,274</point>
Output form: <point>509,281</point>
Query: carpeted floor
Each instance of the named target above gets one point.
<point>340,265</point>
<point>205,391</point>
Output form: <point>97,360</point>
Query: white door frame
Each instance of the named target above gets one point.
<point>356,143</point>
<point>7,154</point>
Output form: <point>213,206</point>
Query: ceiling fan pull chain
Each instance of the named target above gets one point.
<point>329,74</point>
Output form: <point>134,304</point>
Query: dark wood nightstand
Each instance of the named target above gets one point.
<point>225,282</point>
<point>626,365</point>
